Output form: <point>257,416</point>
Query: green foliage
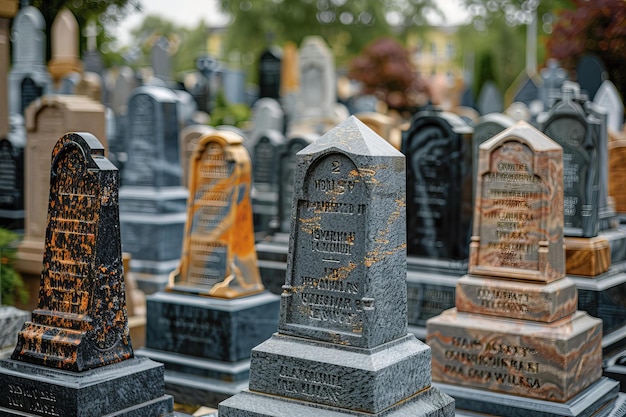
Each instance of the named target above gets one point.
<point>347,25</point>
<point>598,28</point>
<point>226,113</point>
<point>11,285</point>
<point>104,12</point>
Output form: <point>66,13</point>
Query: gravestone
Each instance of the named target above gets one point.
<point>485,128</point>
<point>74,358</point>
<point>266,181</point>
<point>234,83</point>
<point>269,73</point>
<point>608,97</point>
<point>47,119</point>
<point>553,77</point>
<point>152,199</point>
<point>590,74</point>
<point>8,9</point>
<point>216,309</point>
<point>318,89</point>
<point>272,251</point>
<point>160,58</point>
<point>266,115</point>
<point>525,89</point>
<point>490,99</point>
<point>289,81</point>
<point>92,59</point>
<point>617,177</point>
<point>515,343</point>
<point>384,126</point>
<point>65,51</point>
<point>437,146</point>
<point>188,140</point>
<point>342,346</point>
<point>11,321</point>
<point>12,180</point>
<point>28,78</point>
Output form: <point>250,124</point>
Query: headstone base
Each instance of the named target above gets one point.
<point>597,398</point>
<point>587,256</point>
<point>11,322</point>
<point>272,261</point>
<point>554,360</point>
<point>129,388</point>
<point>603,297</point>
<point>205,342</point>
<point>431,289</point>
<point>427,403</point>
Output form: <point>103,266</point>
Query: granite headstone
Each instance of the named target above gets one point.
<point>269,73</point>
<point>12,175</point>
<point>515,344</point>
<point>266,181</point>
<point>215,308</point>
<point>152,200</point>
<point>590,74</point>
<point>74,358</point>
<point>342,347</point>
<point>29,77</point>
<point>490,99</point>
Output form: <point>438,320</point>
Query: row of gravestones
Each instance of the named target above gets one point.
<point>514,345</point>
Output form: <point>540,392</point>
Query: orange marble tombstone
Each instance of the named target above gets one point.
<point>219,258</point>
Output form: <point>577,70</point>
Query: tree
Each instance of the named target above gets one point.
<point>104,12</point>
<point>385,70</point>
<point>347,25</point>
<point>598,28</point>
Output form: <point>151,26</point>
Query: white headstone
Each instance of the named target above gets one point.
<point>608,97</point>
<point>317,79</point>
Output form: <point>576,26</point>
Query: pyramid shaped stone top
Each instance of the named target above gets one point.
<point>346,270</point>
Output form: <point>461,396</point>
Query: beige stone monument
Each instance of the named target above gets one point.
<point>384,126</point>
<point>47,119</point>
<point>8,9</point>
<point>187,141</point>
<point>65,55</point>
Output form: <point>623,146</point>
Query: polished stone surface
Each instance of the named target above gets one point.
<point>218,255</point>
<point>517,234</point>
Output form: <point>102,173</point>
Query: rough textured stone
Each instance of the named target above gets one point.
<point>80,321</point>
<point>342,347</point>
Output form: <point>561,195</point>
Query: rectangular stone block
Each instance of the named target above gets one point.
<point>587,256</point>
<point>521,300</point>
<point>211,328</point>
<point>548,361</point>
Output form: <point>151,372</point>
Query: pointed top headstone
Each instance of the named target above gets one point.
<point>65,49</point>
<point>608,97</point>
<point>346,270</point>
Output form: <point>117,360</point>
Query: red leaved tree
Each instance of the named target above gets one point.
<point>385,70</point>
<point>592,27</point>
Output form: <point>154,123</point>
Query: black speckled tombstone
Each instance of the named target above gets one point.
<point>342,346</point>
<point>74,358</point>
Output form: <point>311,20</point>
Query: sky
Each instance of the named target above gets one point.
<point>191,12</point>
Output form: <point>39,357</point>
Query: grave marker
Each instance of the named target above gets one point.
<point>608,97</point>
<point>189,137</point>
<point>28,78</point>
<point>343,306</point>
<point>47,119</point>
<point>266,181</point>
<point>269,73</point>
<point>590,74</point>
<point>515,330</point>
<point>490,99</point>
<point>65,51</point>
<point>215,309</point>
<point>76,350</point>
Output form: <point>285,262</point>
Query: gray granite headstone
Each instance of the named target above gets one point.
<point>266,181</point>
<point>161,62</point>
<point>234,82</point>
<point>29,77</point>
<point>585,143</point>
<point>553,77</point>
<point>287,171</point>
<point>266,115</point>
<point>342,346</point>
<point>526,89</point>
<point>608,97</point>
<point>269,73</point>
<point>590,74</point>
<point>152,199</point>
<point>490,99</point>
<point>124,84</point>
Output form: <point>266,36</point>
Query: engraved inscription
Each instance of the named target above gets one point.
<point>142,133</point>
<point>35,400</point>
<point>308,383</point>
<point>493,362</point>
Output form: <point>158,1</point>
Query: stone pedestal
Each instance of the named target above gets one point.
<point>516,344</point>
<point>205,342</point>
<point>272,261</point>
<point>11,321</point>
<point>130,388</point>
<point>431,288</point>
<point>342,347</point>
